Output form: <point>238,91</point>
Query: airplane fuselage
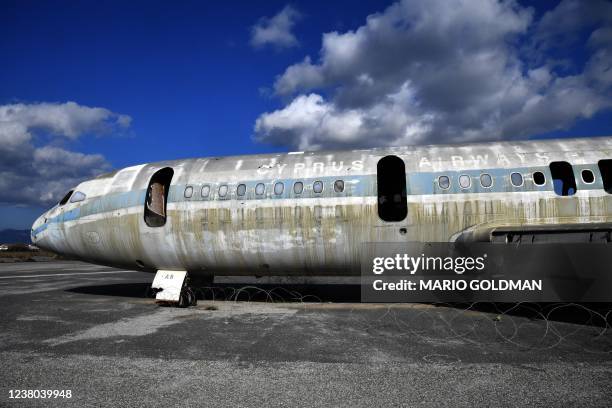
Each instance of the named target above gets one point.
<point>309,212</point>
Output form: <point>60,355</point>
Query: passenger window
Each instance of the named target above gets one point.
<point>391,182</point>
<point>605,168</point>
<point>260,189</point>
<point>338,186</point>
<point>516,179</point>
<point>444,182</point>
<point>465,181</point>
<point>486,180</point>
<point>587,176</point>
<point>279,188</point>
<point>298,187</point>
<point>563,178</point>
<point>66,198</point>
<point>78,196</point>
<point>539,179</point>
<point>241,190</point>
<point>188,192</point>
<point>222,191</point>
<point>317,187</point>
<point>205,191</point>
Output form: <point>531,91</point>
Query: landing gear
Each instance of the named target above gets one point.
<point>173,288</point>
<point>187,298</point>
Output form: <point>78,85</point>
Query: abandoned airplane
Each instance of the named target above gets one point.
<point>307,213</point>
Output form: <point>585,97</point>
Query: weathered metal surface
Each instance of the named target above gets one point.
<point>316,233</point>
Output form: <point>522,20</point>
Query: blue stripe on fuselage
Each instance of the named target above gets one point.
<point>422,183</point>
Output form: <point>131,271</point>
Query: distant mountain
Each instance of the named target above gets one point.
<point>12,236</point>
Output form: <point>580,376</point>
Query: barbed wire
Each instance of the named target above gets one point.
<point>525,325</point>
<point>251,293</point>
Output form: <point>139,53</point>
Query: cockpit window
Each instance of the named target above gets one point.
<point>77,196</point>
<point>66,198</point>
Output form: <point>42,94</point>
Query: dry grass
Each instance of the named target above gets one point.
<point>25,256</point>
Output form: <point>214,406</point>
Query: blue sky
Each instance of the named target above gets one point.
<point>164,80</point>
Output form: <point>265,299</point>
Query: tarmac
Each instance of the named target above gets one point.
<point>309,342</point>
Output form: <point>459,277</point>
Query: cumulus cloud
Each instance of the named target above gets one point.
<point>34,169</point>
<point>67,119</point>
<point>276,31</point>
<point>311,123</point>
<point>429,71</point>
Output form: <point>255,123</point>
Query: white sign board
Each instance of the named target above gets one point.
<point>170,283</point>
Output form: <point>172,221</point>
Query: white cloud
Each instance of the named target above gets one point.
<point>276,31</point>
<point>312,123</point>
<point>303,75</point>
<point>34,169</point>
<point>428,71</point>
<point>13,135</point>
<point>67,119</point>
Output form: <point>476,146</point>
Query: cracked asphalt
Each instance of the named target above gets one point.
<point>91,329</point>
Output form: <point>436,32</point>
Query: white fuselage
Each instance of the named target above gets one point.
<point>234,230</point>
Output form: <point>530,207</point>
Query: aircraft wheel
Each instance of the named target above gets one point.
<point>183,299</point>
<point>193,299</point>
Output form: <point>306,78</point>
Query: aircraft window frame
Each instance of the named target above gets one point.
<point>190,190</point>
<point>521,178</point>
<point>563,171</point>
<point>205,187</point>
<point>315,185</point>
<point>77,197</point>
<point>279,188</point>
<point>464,177</point>
<point>536,173</point>
<point>605,170</point>
<point>448,182</point>
<point>223,190</point>
<point>391,189</point>
<point>295,187</point>
<point>65,199</point>
<point>241,190</point>
<point>339,186</point>
<point>262,188</point>
<point>587,171</point>
<point>490,180</point>
<point>156,201</point>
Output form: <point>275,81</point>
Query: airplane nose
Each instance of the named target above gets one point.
<point>37,228</point>
<point>33,234</point>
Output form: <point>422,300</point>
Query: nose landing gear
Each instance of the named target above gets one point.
<point>173,288</point>
<point>187,297</point>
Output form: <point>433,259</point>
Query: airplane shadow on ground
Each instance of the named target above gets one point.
<point>591,314</point>
<point>241,292</point>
